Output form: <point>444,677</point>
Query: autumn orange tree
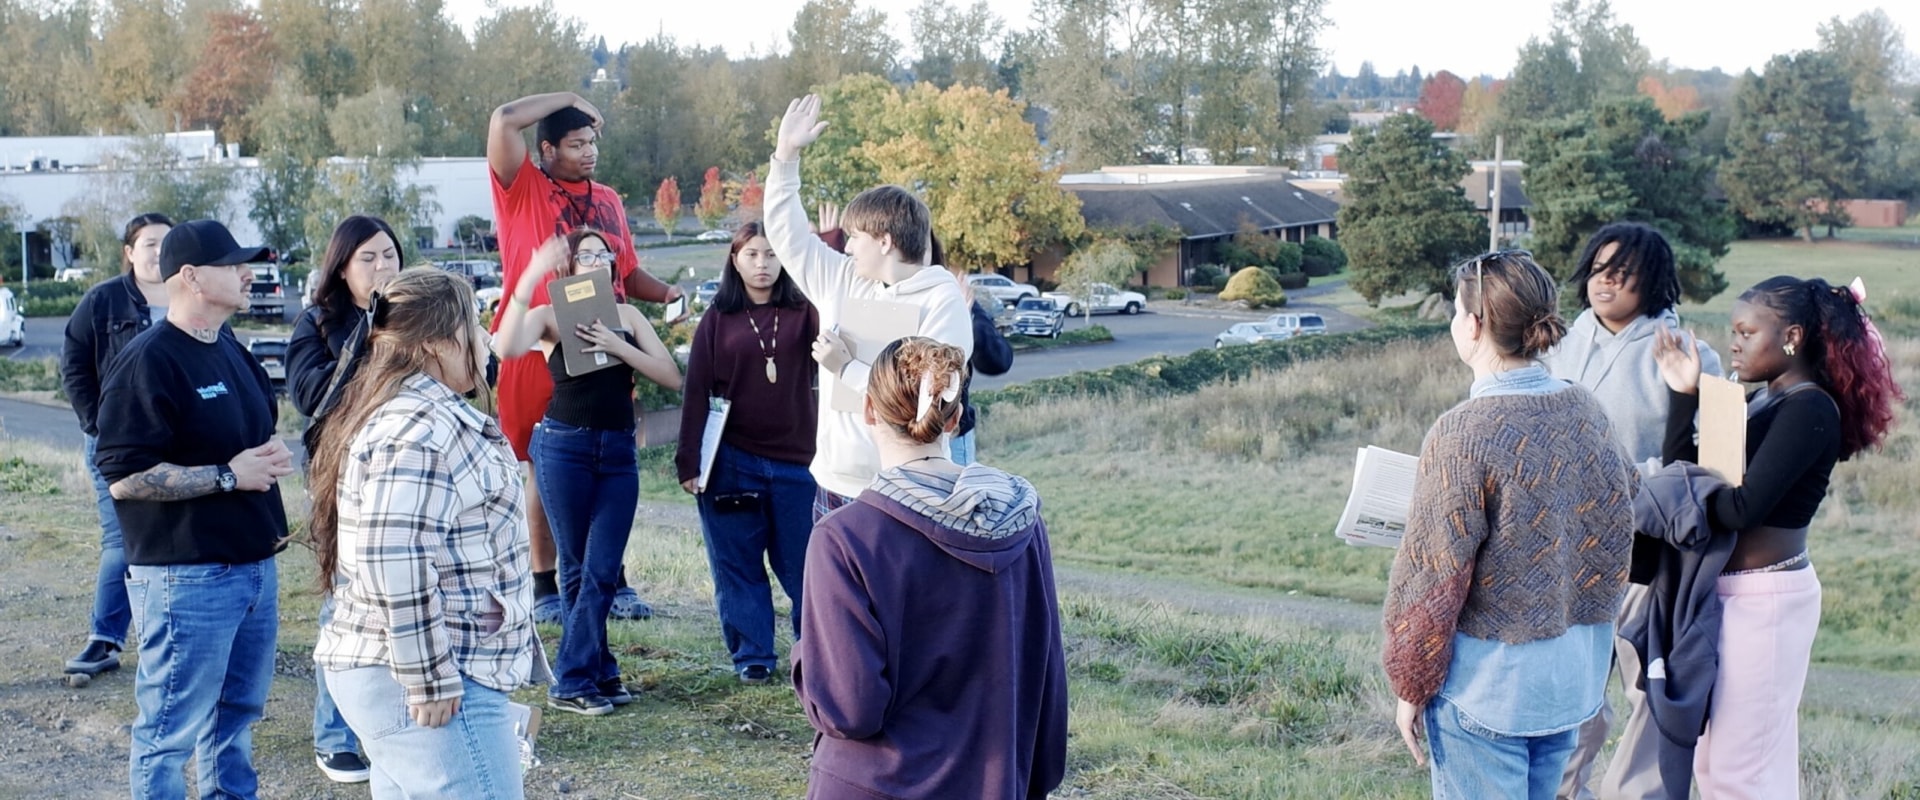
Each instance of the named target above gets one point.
<point>1440,99</point>
<point>233,74</point>
<point>712,207</point>
<point>666,205</point>
<point>753,196</point>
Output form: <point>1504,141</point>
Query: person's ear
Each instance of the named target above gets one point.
<point>1794,336</point>
<point>866,412</point>
<point>886,244</point>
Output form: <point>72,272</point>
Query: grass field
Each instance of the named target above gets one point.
<point>1196,525</point>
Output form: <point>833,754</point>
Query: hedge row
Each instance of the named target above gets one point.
<point>1169,375</point>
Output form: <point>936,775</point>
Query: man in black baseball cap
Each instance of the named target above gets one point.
<point>188,448</point>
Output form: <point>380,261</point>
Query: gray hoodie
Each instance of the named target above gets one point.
<point>1618,368</point>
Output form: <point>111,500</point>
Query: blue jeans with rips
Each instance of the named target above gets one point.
<point>743,538</point>
<point>331,733</point>
<point>474,757</point>
<point>590,485</point>
<point>1469,761</point>
<point>111,610</point>
<point>207,636</point>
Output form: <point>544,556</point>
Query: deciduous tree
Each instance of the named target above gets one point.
<point>712,206</point>
<point>833,38</point>
<point>957,45</point>
<point>1440,99</point>
<point>666,205</point>
<point>1406,219</point>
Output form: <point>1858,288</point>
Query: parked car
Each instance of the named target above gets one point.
<point>272,355</point>
<point>13,324</point>
<point>1038,316</point>
<point>269,295</point>
<point>703,294</point>
<point>715,236</point>
<point>1250,333</point>
<point>1104,299</point>
<point>72,274</point>
<point>1299,324</point>
<point>1001,288</point>
<point>488,299</point>
<point>483,273</point>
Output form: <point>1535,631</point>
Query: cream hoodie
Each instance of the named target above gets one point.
<point>844,460</point>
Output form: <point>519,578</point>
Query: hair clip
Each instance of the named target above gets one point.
<point>377,308</point>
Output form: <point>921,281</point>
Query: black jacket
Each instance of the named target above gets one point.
<point>106,319</point>
<point>313,355</point>
<point>992,355</point>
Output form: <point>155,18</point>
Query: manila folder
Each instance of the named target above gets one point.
<point>1723,428</point>
<point>871,325</point>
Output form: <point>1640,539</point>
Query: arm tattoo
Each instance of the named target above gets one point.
<point>168,483</point>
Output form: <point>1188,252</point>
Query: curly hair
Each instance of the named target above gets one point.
<point>904,371</point>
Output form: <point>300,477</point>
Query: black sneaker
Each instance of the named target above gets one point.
<point>615,691</point>
<point>97,658</point>
<point>591,705</point>
<point>756,674</point>
<point>347,767</point>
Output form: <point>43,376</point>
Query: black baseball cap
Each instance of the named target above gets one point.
<point>204,243</point>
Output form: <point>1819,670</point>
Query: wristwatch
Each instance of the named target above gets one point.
<point>227,480</point>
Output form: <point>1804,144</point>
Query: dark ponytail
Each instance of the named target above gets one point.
<point>1848,358</point>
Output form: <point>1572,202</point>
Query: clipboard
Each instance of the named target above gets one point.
<point>1723,428</point>
<point>870,325</point>
<point>718,409</point>
<point>580,300</point>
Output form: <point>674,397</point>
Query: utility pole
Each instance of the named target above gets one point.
<point>26,266</point>
<point>1493,215</point>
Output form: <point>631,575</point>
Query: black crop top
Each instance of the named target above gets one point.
<point>602,399</point>
<point>1793,442</point>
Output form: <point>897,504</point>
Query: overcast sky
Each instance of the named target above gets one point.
<point>1468,38</point>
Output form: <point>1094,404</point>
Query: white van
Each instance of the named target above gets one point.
<point>13,326</point>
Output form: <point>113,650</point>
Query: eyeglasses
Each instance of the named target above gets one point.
<point>594,256</point>
<point>1479,263</point>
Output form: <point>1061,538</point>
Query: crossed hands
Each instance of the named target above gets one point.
<point>257,469</point>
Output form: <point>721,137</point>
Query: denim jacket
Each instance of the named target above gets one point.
<point>107,318</point>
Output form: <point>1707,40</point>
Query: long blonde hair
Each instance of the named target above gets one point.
<point>418,308</point>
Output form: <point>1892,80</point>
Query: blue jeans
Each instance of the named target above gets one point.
<point>207,636</point>
<point>961,448</point>
<point>743,540</point>
<point>331,733</point>
<point>476,755</point>
<point>111,609</point>
<point>1469,761</point>
<point>590,485</point>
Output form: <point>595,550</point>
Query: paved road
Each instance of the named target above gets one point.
<point>45,336</point>
<point>1167,330</point>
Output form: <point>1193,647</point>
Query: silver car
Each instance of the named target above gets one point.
<point>1001,288</point>
<point>1038,317</point>
<point>1299,324</point>
<point>1250,333</point>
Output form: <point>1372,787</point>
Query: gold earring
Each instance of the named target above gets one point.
<point>1788,348</point>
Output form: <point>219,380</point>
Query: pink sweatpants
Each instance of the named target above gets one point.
<point>1751,749</point>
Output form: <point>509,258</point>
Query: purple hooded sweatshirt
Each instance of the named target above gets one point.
<point>929,658</point>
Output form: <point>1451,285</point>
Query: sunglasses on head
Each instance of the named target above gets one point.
<point>1479,263</point>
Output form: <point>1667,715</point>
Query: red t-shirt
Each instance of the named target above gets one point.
<point>528,213</point>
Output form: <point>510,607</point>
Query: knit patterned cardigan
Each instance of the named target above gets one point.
<point>1521,525</point>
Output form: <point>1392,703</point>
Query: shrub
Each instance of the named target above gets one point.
<point>1175,294</point>
<point>1286,258</point>
<point>1255,286</point>
<point>1205,275</point>
<point>1219,283</point>
<point>29,375</point>
<point>1293,280</point>
<point>1169,375</point>
<point>1321,257</point>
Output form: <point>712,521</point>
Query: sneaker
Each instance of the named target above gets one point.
<point>97,658</point>
<point>628,605</point>
<point>347,767</point>
<point>591,705</point>
<point>756,674</point>
<point>549,609</point>
<point>615,691</point>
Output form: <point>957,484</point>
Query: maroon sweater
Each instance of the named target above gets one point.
<point>929,658</point>
<point>770,420</point>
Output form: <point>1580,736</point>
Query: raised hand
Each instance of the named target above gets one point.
<point>799,127</point>
<point>1679,360</point>
<point>546,261</point>
<point>582,104</point>
<point>829,216</point>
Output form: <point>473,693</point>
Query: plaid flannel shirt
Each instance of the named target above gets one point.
<point>433,578</point>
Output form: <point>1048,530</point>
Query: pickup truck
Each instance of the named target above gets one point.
<point>268,294</point>
<point>1104,299</point>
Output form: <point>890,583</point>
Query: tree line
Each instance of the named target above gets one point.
<point>1608,134</point>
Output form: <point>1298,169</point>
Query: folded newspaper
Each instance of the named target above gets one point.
<point>1376,512</point>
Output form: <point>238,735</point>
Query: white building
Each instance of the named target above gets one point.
<point>43,175</point>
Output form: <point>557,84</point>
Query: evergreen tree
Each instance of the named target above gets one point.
<point>1624,161</point>
<point>1406,219</point>
<point>1796,144</point>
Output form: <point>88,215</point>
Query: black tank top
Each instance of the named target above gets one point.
<point>602,399</point>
